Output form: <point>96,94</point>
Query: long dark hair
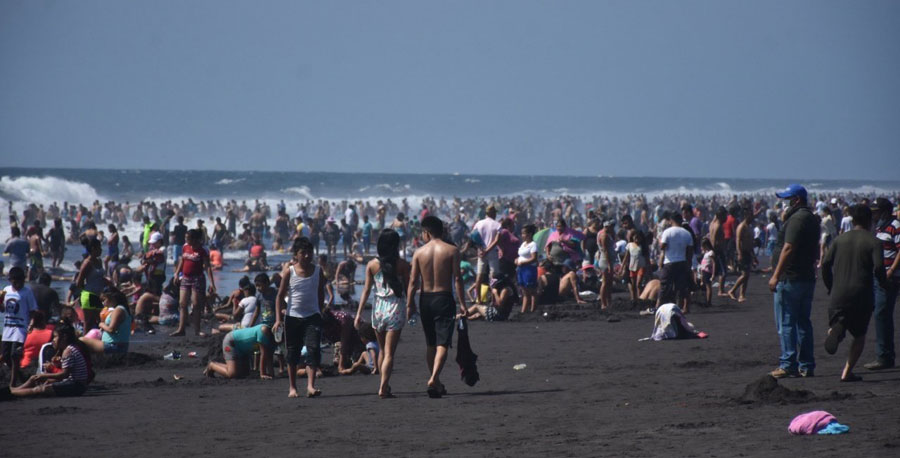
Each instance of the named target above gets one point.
<point>66,329</point>
<point>388,254</point>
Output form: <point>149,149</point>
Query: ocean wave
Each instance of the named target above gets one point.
<point>302,191</point>
<point>225,181</point>
<point>47,189</point>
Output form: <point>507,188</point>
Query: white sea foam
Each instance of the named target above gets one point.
<point>225,181</point>
<point>47,189</point>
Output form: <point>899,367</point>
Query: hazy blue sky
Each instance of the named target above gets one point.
<point>730,89</point>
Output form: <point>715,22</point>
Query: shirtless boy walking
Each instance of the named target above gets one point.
<point>435,267</point>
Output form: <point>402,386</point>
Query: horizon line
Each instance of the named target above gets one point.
<point>788,180</point>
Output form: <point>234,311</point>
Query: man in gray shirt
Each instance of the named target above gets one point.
<point>17,248</point>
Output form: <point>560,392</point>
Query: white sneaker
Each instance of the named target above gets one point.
<point>649,311</point>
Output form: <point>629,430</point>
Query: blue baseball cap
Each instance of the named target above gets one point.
<point>793,190</point>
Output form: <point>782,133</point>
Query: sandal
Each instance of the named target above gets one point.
<point>314,394</point>
<point>852,378</point>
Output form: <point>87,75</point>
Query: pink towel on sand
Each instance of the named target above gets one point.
<point>810,422</point>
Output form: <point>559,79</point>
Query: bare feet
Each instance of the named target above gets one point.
<point>177,334</point>
<point>731,296</point>
<point>314,393</point>
<point>292,393</point>
<point>742,299</point>
<point>208,372</point>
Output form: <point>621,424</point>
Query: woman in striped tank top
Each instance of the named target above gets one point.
<point>75,375</point>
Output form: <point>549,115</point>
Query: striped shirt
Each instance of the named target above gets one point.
<point>889,235</point>
<point>73,360</point>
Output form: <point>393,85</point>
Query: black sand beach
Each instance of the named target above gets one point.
<point>589,388</point>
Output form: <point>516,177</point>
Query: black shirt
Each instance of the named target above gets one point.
<point>801,230</point>
<point>178,233</point>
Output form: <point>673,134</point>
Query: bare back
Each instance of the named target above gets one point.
<point>437,262</point>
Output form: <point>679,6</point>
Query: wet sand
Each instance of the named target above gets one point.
<point>589,389</point>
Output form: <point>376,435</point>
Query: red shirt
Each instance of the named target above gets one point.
<point>728,227</point>
<point>33,343</point>
<point>192,266</point>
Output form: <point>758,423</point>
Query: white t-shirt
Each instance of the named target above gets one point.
<point>248,305</point>
<point>526,250</point>
<point>677,239</point>
<point>19,305</point>
<point>846,224</point>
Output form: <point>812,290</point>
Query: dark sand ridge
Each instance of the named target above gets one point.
<point>590,388</point>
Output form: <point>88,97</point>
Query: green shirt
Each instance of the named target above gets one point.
<point>801,230</point>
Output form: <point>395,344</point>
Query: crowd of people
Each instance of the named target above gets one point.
<point>474,258</point>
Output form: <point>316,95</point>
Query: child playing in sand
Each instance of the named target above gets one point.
<point>368,358</point>
<point>238,347</point>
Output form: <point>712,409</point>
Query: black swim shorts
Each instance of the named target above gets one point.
<point>438,312</point>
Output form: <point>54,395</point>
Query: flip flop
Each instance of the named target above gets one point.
<point>314,394</point>
<point>852,378</point>
<point>433,392</point>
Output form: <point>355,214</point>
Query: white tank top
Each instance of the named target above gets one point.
<point>304,298</point>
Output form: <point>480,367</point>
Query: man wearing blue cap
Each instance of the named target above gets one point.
<point>794,282</point>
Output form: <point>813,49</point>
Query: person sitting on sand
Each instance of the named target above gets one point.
<point>504,296</point>
<point>75,374</point>
<point>246,310</point>
<point>116,328</point>
<point>338,329</point>
<point>560,279</point>
<point>238,347</point>
<point>368,358</point>
<point>39,333</point>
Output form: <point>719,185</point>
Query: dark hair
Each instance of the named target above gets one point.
<point>193,234</point>
<point>93,243</point>
<point>243,282</point>
<point>368,333</point>
<point>112,229</point>
<point>676,217</point>
<point>433,225</point>
<point>117,296</point>
<point>15,231</point>
<point>261,278</point>
<point>276,280</point>
<point>862,215</point>
<point>68,330</point>
<point>16,273</point>
<point>44,279</point>
<point>301,244</point>
<point>38,319</point>
<point>388,247</point>
<point>250,287</point>
<point>529,229</point>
